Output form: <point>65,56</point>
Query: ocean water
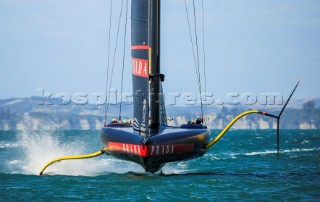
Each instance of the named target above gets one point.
<point>243,165</point>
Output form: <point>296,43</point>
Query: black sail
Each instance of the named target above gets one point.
<point>140,64</point>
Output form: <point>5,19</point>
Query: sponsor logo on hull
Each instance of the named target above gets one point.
<point>151,150</point>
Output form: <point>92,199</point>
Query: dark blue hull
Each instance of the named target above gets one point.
<point>153,151</point>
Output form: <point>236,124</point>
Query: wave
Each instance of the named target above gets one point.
<point>6,145</point>
<point>34,149</point>
<point>38,149</point>
<point>281,151</point>
<point>228,155</point>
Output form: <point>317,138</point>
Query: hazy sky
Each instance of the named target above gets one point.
<point>251,46</point>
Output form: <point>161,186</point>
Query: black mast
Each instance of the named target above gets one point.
<point>155,76</point>
<point>140,64</point>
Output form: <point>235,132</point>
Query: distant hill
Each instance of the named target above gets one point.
<point>36,113</point>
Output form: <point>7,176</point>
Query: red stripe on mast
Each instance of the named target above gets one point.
<point>140,47</point>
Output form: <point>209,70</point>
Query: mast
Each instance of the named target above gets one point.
<point>140,64</point>
<point>146,77</point>
<point>155,76</point>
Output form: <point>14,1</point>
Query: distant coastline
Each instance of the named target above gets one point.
<point>31,114</point>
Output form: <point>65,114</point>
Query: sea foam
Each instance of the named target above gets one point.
<point>36,148</point>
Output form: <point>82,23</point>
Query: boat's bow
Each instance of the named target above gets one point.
<point>153,151</point>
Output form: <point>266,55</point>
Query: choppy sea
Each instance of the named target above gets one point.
<point>243,165</point>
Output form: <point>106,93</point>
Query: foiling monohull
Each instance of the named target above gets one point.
<point>148,141</point>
